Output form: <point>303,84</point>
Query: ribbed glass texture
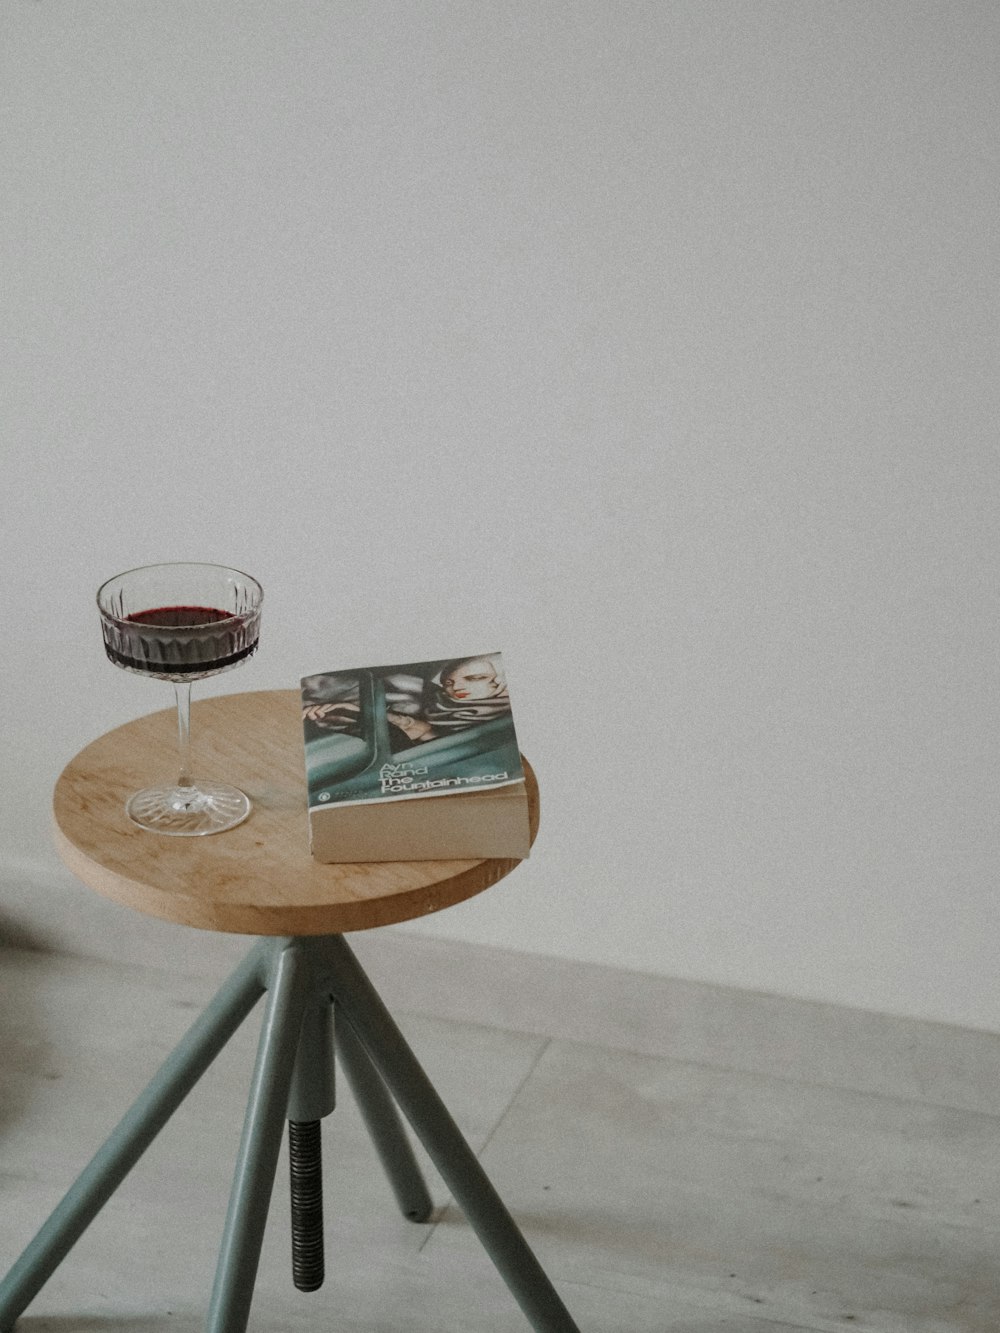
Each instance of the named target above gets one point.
<point>180,621</point>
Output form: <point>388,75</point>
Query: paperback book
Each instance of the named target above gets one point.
<point>414,761</point>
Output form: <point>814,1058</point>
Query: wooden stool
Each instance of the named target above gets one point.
<point>260,879</point>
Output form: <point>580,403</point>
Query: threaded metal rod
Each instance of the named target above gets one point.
<point>306,1172</point>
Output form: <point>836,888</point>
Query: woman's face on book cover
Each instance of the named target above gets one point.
<point>475,679</point>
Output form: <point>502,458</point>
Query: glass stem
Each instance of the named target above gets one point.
<point>182,690</point>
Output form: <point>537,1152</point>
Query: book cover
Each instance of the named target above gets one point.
<point>416,760</point>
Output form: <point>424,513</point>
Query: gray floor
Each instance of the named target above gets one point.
<point>753,1168</point>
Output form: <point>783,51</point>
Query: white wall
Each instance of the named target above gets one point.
<point>653,343</point>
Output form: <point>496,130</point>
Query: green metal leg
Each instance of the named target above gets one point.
<point>293,1077</point>
<point>263,1128</point>
<point>385,1127</point>
<point>358,1001</point>
<point>132,1136</point>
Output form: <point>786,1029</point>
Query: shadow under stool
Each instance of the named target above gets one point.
<point>259,879</point>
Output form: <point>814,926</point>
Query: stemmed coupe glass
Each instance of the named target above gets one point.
<point>182,622</point>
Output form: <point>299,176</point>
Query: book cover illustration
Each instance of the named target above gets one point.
<point>414,729</point>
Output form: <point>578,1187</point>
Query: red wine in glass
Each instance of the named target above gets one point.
<point>182,622</point>
<point>191,641</point>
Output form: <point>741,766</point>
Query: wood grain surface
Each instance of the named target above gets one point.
<point>256,879</point>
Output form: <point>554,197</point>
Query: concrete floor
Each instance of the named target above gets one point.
<point>708,1162</point>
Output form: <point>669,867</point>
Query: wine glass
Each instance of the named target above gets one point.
<point>182,622</point>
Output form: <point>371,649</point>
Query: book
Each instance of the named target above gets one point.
<point>414,761</point>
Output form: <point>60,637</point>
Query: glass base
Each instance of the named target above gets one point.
<point>210,807</point>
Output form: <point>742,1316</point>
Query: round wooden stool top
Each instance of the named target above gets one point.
<point>259,878</point>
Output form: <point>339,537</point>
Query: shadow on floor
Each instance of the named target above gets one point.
<point>25,1053</point>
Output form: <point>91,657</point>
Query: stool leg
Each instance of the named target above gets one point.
<point>257,1160</point>
<point>131,1137</point>
<point>382,1120</point>
<point>361,1005</point>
